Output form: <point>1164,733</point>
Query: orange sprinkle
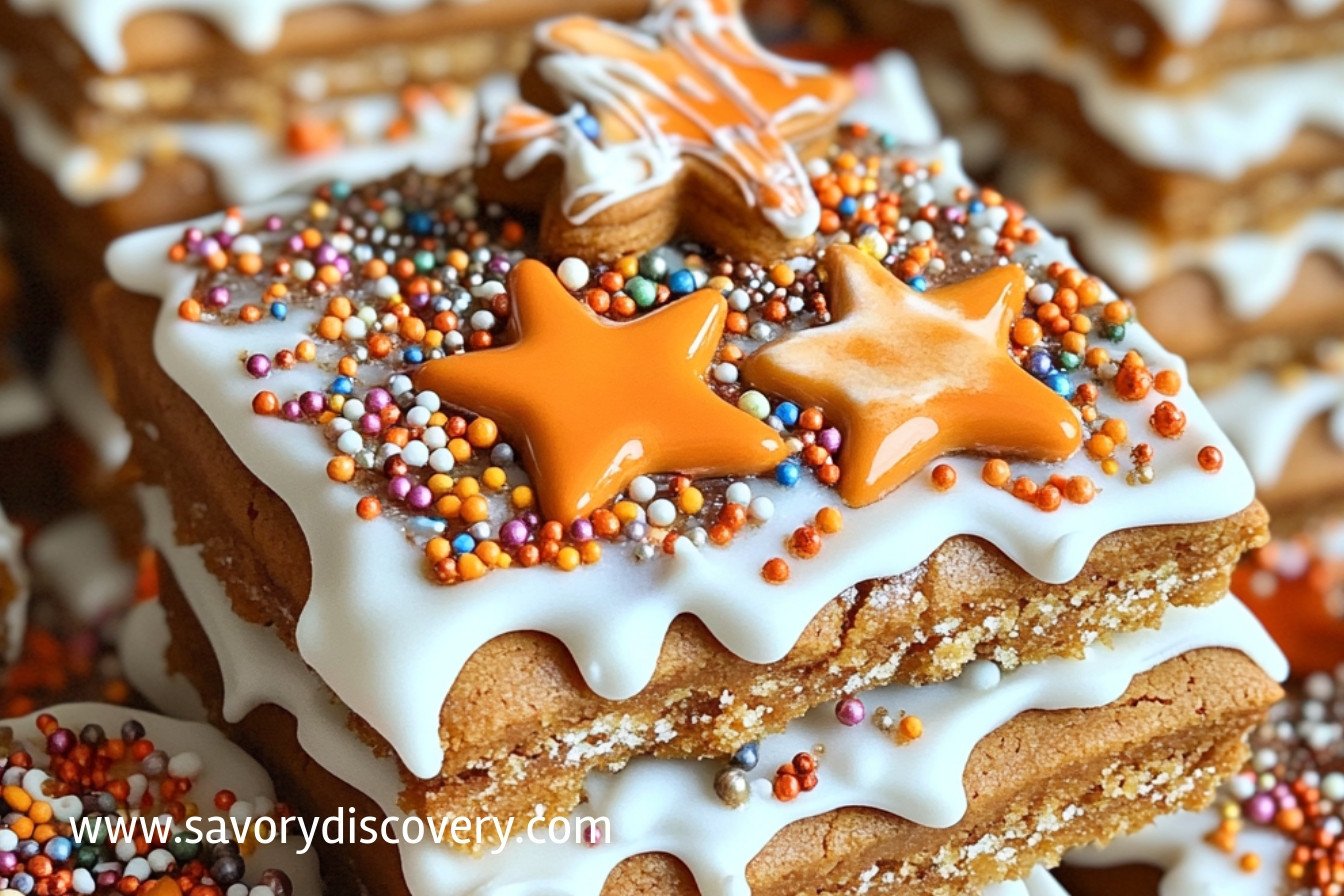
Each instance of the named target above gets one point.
<point>775,571</point>
<point>944,477</point>
<point>996,472</point>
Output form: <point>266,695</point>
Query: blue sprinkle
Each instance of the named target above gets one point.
<point>58,849</point>
<point>340,189</point>
<point>787,473</point>
<point>23,882</point>
<point>1069,361</point>
<point>589,127</point>
<point>787,412</point>
<point>975,205</point>
<point>419,223</point>
<point>1115,332</point>
<point>463,543</point>
<point>848,206</point>
<point>427,524</point>
<point>342,385</point>
<point>1038,364</point>
<point>681,282</point>
<point>746,757</point>
<point>413,355</point>
<point>887,140</point>
<point>1061,384</point>
<point>279,310</point>
<point>919,283</point>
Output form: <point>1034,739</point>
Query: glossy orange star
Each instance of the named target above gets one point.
<point>591,404</point>
<point>912,376</point>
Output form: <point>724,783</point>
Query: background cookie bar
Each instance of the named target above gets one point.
<point>120,116</point>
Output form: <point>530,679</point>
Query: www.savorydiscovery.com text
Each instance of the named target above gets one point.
<point>345,828</point>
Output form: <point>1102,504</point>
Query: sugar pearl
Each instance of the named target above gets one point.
<point>573,273</point>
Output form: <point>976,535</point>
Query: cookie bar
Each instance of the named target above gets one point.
<point>81,767</point>
<point>1159,159</point>
<point>1174,45</point>
<point>1172,730</point>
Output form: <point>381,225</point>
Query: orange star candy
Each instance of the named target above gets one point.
<point>913,376</point>
<point>591,404</point>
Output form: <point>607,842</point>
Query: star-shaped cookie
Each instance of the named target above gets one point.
<point>913,376</point>
<point>681,124</point>
<point>590,404</point>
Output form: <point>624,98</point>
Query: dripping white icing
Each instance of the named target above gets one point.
<point>75,392</point>
<point>1264,416</point>
<point>23,407</point>
<point>1253,269</point>
<point>76,559</point>
<point>245,161</point>
<point>142,642</point>
<point>714,842</point>
<point>16,611</point>
<point>1191,866</point>
<point>1246,118</point>
<point>613,616</point>
<point>1193,21</point>
<point>225,766</point>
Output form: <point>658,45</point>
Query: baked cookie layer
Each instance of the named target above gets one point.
<point>1162,746</point>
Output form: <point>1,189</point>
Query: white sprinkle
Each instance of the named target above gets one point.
<point>573,273</point>
<point>662,512</point>
<point>642,489</point>
<point>441,460</point>
<point>738,493</point>
<point>762,508</point>
<point>416,454</point>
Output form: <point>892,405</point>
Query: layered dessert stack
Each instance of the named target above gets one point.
<point>755,501</point>
<point>1193,150</point>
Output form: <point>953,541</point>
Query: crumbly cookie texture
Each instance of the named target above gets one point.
<point>1044,782</point>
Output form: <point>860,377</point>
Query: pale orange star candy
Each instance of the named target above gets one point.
<point>682,124</point>
<point>590,404</point>
<point>912,376</point>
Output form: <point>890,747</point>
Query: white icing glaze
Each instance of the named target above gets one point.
<point>1264,416</point>
<point>80,401</point>
<point>225,766</point>
<point>142,642</point>
<point>1245,118</point>
<point>77,560</point>
<point>891,99</point>
<point>1253,269</point>
<point>16,611</point>
<point>714,842</point>
<point>253,25</point>
<point>1190,865</point>
<point>600,174</point>
<point>23,407</point>
<point>245,161</point>
<point>1192,21</point>
<point>613,616</point>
